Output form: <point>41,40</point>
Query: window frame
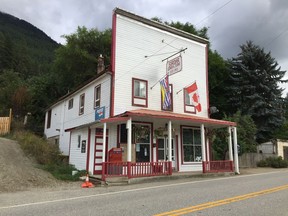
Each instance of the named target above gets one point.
<point>193,144</point>
<point>188,107</point>
<point>97,90</point>
<point>81,106</point>
<point>49,116</point>
<point>70,103</point>
<point>138,100</point>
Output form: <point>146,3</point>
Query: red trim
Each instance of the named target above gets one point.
<point>136,97</point>
<point>185,105</point>
<point>113,61</point>
<point>69,146</point>
<point>175,116</point>
<point>118,136</point>
<point>115,119</point>
<point>177,153</point>
<point>88,150</point>
<point>207,82</point>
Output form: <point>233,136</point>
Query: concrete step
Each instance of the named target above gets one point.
<point>117,181</point>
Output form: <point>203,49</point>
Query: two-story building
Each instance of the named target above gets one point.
<point>149,113</point>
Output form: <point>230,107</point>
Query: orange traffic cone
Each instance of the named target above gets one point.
<point>87,183</point>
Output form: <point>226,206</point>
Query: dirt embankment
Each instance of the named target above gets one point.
<point>18,172</point>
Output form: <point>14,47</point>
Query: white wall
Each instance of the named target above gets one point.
<point>63,118</point>
<point>76,157</point>
<point>134,41</point>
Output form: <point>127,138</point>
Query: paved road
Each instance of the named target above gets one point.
<point>259,194</point>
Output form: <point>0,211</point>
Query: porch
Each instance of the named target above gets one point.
<point>149,169</point>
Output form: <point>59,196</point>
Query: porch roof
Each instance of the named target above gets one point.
<point>169,116</point>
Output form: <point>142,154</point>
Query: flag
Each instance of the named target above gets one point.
<point>165,93</point>
<point>192,97</point>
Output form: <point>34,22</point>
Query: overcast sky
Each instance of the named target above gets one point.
<point>231,22</point>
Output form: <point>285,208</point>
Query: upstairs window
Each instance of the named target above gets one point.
<point>97,96</point>
<point>49,118</point>
<point>81,104</point>
<point>70,104</point>
<point>139,92</point>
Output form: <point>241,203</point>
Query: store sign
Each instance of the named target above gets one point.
<point>174,65</point>
<point>100,113</point>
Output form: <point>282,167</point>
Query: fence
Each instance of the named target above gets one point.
<point>134,170</point>
<point>217,166</point>
<point>5,124</point>
<point>250,159</point>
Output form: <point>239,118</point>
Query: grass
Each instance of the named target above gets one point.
<point>47,155</point>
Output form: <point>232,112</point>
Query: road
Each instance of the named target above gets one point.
<point>259,194</point>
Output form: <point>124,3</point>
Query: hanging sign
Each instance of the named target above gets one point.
<point>174,65</point>
<point>100,113</point>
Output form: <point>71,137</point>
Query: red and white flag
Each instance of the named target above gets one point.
<point>193,96</point>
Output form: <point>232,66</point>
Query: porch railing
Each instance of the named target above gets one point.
<point>218,166</point>
<point>134,170</point>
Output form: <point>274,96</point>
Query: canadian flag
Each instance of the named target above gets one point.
<point>194,99</point>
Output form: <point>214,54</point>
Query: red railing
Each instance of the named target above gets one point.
<point>217,166</point>
<point>134,170</point>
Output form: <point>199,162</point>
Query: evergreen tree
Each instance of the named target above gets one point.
<point>254,89</point>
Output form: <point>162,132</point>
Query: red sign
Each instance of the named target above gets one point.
<point>174,65</point>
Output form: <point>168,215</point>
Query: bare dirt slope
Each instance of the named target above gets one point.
<point>17,172</point>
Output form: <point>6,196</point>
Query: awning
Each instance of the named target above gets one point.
<point>153,114</point>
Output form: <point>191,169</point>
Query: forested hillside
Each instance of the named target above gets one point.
<point>23,47</point>
<point>26,56</point>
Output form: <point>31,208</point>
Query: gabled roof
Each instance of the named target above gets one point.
<point>160,26</point>
<point>169,116</point>
<point>92,79</point>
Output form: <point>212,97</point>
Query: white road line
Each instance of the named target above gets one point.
<point>131,190</point>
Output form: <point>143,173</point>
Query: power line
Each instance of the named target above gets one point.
<point>214,12</point>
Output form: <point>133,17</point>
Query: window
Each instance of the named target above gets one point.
<point>139,92</point>
<point>97,96</point>
<point>70,104</point>
<point>170,107</point>
<point>49,118</point>
<point>81,104</point>
<point>192,150</point>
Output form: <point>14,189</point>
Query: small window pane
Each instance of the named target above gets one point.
<point>187,136</point>
<point>139,89</point>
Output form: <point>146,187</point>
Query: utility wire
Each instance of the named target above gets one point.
<point>214,12</point>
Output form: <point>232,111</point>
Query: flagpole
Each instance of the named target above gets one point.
<point>158,81</point>
<point>186,87</point>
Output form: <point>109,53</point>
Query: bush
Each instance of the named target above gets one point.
<point>38,148</point>
<point>275,162</point>
<point>47,155</point>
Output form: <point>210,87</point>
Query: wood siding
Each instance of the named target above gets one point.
<point>140,50</point>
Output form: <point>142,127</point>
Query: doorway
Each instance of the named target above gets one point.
<point>162,150</point>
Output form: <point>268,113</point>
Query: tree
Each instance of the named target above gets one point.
<point>76,62</point>
<point>254,89</point>
<point>246,132</point>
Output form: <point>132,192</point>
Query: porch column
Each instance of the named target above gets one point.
<point>104,142</point>
<point>230,144</point>
<point>208,149</point>
<point>203,142</point>
<point>170,146</point>
<point>236,164</point>
<point>169,141</point>
<point>129,139</point>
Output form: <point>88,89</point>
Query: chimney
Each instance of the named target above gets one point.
<point>100,64</point>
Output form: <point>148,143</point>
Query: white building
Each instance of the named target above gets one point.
<point>149,130</point>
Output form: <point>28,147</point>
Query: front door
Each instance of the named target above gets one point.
<point>163,150</point>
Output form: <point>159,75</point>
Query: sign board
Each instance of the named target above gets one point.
<point>174,65</point>
<point>100,113</point>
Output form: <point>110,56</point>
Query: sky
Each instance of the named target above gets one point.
<point>230,22</point>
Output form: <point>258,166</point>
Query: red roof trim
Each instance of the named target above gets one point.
<point>176,116</point>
